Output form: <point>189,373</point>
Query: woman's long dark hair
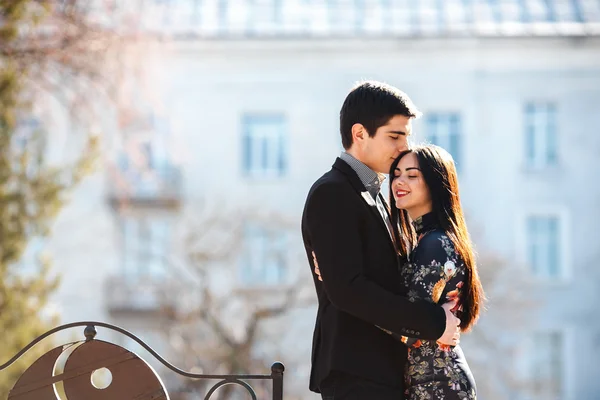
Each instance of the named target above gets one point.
<point>439,172</point>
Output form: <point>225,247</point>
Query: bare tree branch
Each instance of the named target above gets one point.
<point>229,326</point>
<point>508,312</point>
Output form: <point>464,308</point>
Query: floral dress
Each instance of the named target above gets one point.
<point>435,272</point>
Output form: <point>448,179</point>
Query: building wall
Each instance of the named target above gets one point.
<point>209,86</point>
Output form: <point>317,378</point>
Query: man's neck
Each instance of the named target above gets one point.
<point>355,154</point>
<point>369,178</point>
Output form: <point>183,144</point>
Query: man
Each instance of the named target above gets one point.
<point>346,225</point>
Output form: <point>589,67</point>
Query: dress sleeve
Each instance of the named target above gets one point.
<point>434,266</point>
<point>434,263</point>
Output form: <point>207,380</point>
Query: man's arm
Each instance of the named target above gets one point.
<point>335,238</point>
<point>451,336</point>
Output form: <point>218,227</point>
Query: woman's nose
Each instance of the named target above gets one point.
<point>399,181</point>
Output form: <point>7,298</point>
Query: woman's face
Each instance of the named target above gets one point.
<point>409,188</point>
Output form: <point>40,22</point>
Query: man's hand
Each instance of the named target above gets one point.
<point>451,336</point>
<point>317,271</point>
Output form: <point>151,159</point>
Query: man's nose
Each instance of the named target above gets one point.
<point>402,147</point>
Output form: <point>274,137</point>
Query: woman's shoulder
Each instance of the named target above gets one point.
<point>434,238</point>
<point>435,243</point>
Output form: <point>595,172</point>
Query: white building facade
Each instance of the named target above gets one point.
<point>250,95</point>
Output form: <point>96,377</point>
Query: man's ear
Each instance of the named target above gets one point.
<point>359,133</point>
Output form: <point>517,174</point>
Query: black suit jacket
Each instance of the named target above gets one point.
<point>361,286</point>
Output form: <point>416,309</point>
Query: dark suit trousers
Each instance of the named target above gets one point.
<point>340,386</point>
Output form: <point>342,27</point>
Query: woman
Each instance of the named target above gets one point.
<point>429,225</point>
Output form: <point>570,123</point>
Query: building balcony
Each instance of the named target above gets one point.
<point>151,188</point>
<point>142,296</point>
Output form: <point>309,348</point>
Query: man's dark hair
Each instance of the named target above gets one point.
<point>373,104</point>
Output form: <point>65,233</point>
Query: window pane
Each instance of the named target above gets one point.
<point>281,162</point>
<point>553,246</point>
<point>145,246</point>
<point>444,130</point>
<point>547,364</point>
<point>551,155</point>
<point>129,246</point>
<point>264,259</point>
<point>265,153</point>
<point>540,135</point>
<point>158,248</point>
<point>265,147</point>
<point>530,144</point>
<point>532,250</point>
<point>247,156</point>
<point>543,246</point>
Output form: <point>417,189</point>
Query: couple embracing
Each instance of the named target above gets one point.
<point>396,279</point>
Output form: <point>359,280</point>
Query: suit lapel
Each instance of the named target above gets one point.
<point>386,205</point>
<point>389,215</point>
<point>342,166</point>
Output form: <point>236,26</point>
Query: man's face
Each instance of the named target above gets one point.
<point>378,152</point>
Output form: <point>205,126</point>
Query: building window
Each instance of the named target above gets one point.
<point>264,146</point>
<point>145,247</point>
<point>547,367</point>
<point>444,130</point>
<point>540,135</point>
<point>544,246</point>
<point>145,170</point>
<point>264,258</point>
